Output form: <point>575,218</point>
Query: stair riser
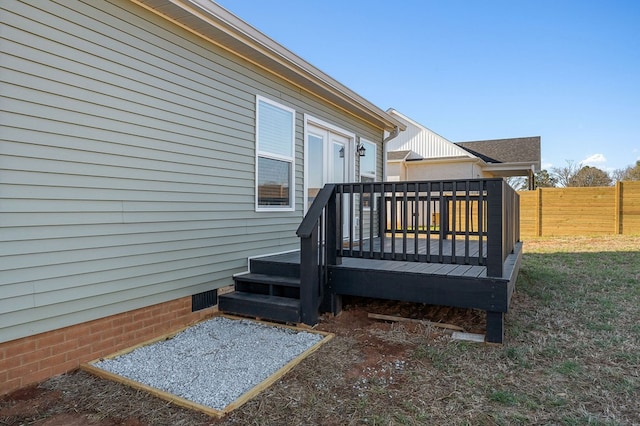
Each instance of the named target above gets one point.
<point>275,268</point>
<point>260,288</point>
<point>258,310</point>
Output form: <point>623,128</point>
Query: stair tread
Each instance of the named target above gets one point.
<point>269,279</point>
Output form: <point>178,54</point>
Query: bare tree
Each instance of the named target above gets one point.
<point>564,175</point>
<point>519,183</point>
<point>630,173</point>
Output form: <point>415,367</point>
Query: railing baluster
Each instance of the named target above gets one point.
<point>394,219</point>
<point>442,207</point>
<point>405,219</point>
<point>361,219</point>
<point>371,217</point>
<point>322,270</point>
<point>466,222</point>
<point>430,221</point>
<point>333,238</point>
<point>481,237</point>
<point>383,219</point>
<point>340,217</point>
<point>454,223</point>
<point>351,220</point>
<point>416,222</point>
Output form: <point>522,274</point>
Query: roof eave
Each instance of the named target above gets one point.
<point>220,27</point>
<point>456,159</point>
<point>511,169</point>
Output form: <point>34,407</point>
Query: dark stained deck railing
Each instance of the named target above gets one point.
<point>473,222</point>
<point>318,242</point>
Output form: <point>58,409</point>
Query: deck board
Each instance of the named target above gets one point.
<point>413,267</point>
<point>430,268</point>
<point>425,246</point>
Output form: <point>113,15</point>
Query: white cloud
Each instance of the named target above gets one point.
<point>593,160</point>
<point>545,165</point>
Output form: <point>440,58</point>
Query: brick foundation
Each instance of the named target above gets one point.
<point>35,358</point>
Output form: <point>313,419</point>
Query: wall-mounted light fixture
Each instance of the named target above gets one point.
<point>341,152</point>
<point>361,150</point>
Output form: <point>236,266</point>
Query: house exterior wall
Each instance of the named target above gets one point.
<point>446,170</point>
<point>127,164</point>
<point>395,171</point>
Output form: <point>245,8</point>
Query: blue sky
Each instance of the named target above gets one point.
<point>568,71</point>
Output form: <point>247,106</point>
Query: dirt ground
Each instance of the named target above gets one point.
<point>374,349</point>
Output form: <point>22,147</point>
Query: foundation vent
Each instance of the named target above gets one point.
<point>204,300</point>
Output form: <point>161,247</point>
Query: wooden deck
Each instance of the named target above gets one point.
<point>469,260</point>
<point>458,285</point>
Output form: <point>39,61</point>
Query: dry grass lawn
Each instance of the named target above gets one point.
<point>571,357</point>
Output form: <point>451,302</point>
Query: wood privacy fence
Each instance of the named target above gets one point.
<point>580,211</point>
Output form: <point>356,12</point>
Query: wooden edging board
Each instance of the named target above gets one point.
<point>174,399</point>
<point>424,322</point>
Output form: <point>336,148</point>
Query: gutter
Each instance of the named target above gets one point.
<point>395,132</point>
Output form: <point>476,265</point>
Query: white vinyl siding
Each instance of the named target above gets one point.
<point>275,162</point>
<point>423,141</point>
<point>127,163</point>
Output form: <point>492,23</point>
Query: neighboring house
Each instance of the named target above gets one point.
<point>421,154</point>
<point>148,147</point>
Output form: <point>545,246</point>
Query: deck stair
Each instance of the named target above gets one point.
<point>271,290</point>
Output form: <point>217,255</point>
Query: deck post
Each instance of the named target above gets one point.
<point>495,327</point>
<point>309,279</point>
<point>332,302</point>
<point>495,228</point>
<point>333,230</point>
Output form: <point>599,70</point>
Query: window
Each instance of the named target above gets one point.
<point>368,168</point>
<point>275,149</point>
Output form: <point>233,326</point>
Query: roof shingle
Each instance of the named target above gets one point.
<point>513,150</point>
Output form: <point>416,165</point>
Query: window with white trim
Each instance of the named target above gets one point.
<point>275,156</point>
<point>368,165</point>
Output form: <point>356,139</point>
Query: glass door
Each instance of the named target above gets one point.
<point>314,165</point>
<point>327,160</point>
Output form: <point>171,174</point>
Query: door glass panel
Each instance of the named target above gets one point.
<point>338,161</point>
<point>315,166</point>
